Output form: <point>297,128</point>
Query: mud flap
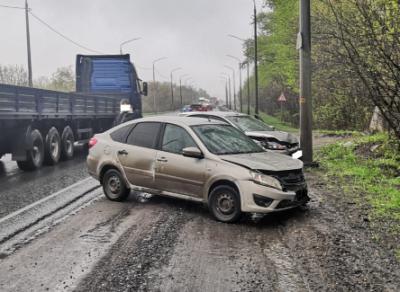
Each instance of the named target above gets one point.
<point>20,144</point>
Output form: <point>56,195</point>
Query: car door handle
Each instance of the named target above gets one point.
<point>162,159</point>
<point>122,152</point>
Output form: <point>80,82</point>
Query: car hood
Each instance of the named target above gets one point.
<point>281,136</point>
<point>264,161</point>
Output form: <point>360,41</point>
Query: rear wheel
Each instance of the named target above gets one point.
<point>52,147</point>
<point>34,156</point>
<point>67,143</point>
<point>114,186</point>
<point>224,204</point>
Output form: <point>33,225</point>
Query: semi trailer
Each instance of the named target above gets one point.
<point>40,126</point>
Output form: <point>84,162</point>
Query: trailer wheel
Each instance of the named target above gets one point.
<point>35,156</point>
<point>52,147</point>
<point>67,143</point>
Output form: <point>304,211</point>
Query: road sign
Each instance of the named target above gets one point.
<point>282,98</point>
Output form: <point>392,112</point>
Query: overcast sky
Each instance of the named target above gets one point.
<point>191,33</point>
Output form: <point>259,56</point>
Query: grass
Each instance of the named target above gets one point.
<point>340,133</point>
<point>368,170</point>
<point>277,123</point>
<point>374,173</point>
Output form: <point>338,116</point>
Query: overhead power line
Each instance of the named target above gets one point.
<point>12,7</point>
<point>63,35</point>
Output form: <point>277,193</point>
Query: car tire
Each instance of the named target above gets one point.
<point>114,186</point>
<point>67,143</point>
<point>34,156</point>
<point>224,204</point>
<point>52,144</point>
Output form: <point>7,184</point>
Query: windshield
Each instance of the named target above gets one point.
<point>225,139</point>
<point>249,124</point>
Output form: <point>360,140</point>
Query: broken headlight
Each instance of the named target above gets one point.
<point>265,180</point>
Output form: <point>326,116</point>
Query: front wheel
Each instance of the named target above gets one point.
<point>224,203</point>
<point>114,186</point>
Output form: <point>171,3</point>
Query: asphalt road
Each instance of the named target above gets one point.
<point>87,243</point>
<point>164,244</point>
<point>19,189</point>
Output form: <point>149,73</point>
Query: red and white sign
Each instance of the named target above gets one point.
<point>282,98</point>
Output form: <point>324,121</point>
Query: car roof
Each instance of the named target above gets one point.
<point>215,113</point>
<point>178,120</point>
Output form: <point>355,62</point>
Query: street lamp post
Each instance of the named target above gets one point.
<point>255,55</point>
<point>248,86</point>
<point>226,91</point>
<point>185,82</point>
<point>126,42</point>
<point>234,85</point>
<point>248,73</point>
<point>230,90</point>
<point>155,88</point>
<point>240,80</point>
<point>180,87</point>
<point>172,87</point>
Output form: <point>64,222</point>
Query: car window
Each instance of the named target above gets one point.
<point>248,123</point>
<point>176,139</point>
<point>225,139</point>
<point>120,134</point>
<point>144,135</point>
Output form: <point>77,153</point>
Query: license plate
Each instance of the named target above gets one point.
<point>298,154</point>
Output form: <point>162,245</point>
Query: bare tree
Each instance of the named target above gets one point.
<point>369,31</point>
<point>14,75</point>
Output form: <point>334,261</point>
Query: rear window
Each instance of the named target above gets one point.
<point>120,134</point>
<point>144,135</point>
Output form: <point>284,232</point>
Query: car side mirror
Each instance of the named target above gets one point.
<point>193,152</point>
<point>145,89</point>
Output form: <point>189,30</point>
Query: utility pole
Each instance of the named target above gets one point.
<point>240,87</point>
<point>240,80</point>
<point>172,87</point>
<point>304,45</point>
<point>248,87</point>
<point>234,85</point>
<point>230,93</point>
<point>226,90</point>
<point>28,44</point>
<point>255,55</point>
<point>154,83</point>
<point>226,93</point>
<point>180,87</point>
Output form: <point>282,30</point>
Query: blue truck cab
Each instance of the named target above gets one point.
<point>110,75</point>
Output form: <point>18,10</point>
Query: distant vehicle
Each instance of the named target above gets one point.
<point>267,136</point>
<point>199,160</point>
<point>186,108</point>
<point>41,126</point>
<point>199,108</point>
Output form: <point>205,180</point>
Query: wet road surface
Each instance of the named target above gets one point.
<point>165,244</point>
<point>19,189</point>
<point>87,243</point>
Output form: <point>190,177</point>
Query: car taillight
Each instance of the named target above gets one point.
<point>92,142</point>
